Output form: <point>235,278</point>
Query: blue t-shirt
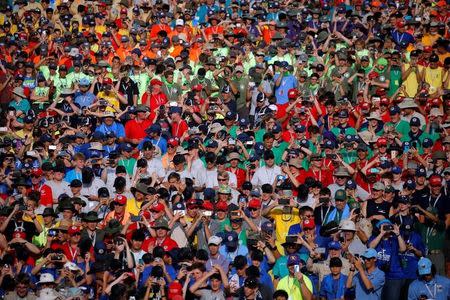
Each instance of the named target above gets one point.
<point>160,142</point>
<point>333,288</point>
<point>117,128</point>
<point>71,175</point>
<point>388,254</point>
<point>376,278</point>
<point>84,100</point>
<point>408,259</point>
<point>281,92</point>
<point>438,289</point>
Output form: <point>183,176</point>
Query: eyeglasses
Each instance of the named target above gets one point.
<point>77,233</point>
<point>253,209</point>
<point>222,179</point>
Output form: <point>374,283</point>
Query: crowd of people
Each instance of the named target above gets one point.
<point>229,149</point>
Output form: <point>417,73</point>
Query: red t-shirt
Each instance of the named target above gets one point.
<point>178,129</point>
<point>46,194</point>
<point>136,130</point>
<point>168,244</point>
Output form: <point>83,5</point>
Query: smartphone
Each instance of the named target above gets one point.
<point>231,141</point>
<point>388,227</point>
<point>374,171</point>
<point>103,102</point>
<point>11,113</point>
<point>179,211</point>
<point>52,147</point>
<point>31,153</point>
<point>235,214</point>
<point>281,177</point>
<point>136,218</point>
<point>52,233</point>
<point>207,213</point>
<point>320,250</point>
<point>3,129</point>
<point>296,268</point>
<point>292,239</point>
<point>283,201</point>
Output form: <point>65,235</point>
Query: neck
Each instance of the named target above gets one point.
<point>336,276</point>
<point>371,269</point>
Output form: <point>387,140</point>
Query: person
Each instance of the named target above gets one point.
<point>369,280</point>
<point>22,289</point>
<point>333,284</point>
<point>428,285</point>
<point>218,284</point>
<point>296,283</point>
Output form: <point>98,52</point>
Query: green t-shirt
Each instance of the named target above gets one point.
<point>401,127</point>
<point>128,164</point>
<point>347,131</point>
<point>433,237</point>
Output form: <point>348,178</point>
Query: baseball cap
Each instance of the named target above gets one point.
<point>293,259</point>
<point>254,203</point>
<point>435,180</point>
<point>379,186</point>
<point>308,224</point>
<point>334,245</point>
<point>424,266</point>
<point>214,240</point>
<point>231,239</point>
<point>73,229</point>
<point>120,199</point>
<point>414,122</point>
<point>267,227</point>
<point>370,253</point>
<point>340,195</point>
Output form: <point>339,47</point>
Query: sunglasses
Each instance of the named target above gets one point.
<point>253,209</point>
<point>236,220</point>
<point>77,233</point>
<point>222,179</point>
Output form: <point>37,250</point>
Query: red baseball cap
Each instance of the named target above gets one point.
<point>120,199</point>
<point>123,11</point>
<point>208,205</point>
<point>73,229</point>
<point>222,205</point>
<point>36,172</point>
<point>435,180</point>
<point>157,207</point>
<point>254,203</point>
<point>191,203</point>
<point>145,214</point>
<point>308,224</point>
<point>172,142</point>
<point>381,142</point>
<point>292,93</point>
<point>365,106</point>
<point>384,101</point>
<point>197,87</point>
<point>155,82</point>
<point>175,289</point>
<point>107,80</point>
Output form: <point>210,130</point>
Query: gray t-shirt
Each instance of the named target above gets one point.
<point>210,295</point>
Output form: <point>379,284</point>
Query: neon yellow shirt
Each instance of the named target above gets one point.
<point>291,286</point>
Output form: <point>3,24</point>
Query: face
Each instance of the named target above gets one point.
<point>270,162</point>
<point>161,233</point>
<point>197,274</point>
<point>136,245</point>
<point>213,249</point>
<point>22,290</point>
<point>340,204</point>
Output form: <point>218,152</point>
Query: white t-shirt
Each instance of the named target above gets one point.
<point>265,175</point>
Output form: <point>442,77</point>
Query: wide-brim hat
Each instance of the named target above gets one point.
<point>49,211</point>
<point>91,216</point>
<point>19,91</point>
<point>113,227</point>
<point>161,224</point>
<point>407,103</point>
<point>140,187</point>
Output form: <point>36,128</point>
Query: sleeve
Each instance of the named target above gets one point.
<point>120,131</point>
<point>412,294</point>
<point>323,291</point>
<point>378,281</point>
<point>128,130</point>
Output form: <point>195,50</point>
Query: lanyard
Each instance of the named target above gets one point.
<point>435,201</point>
<point>73,253</point>
<point>326,214</point>
<point>320,175</point>
<point>400,38</point>
<point>433,295</point>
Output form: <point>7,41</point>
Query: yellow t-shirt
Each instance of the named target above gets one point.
<point>283,222</point>
<point>291,286</point>
<point>411,83</point>
<point>434,78</point>
<point>133,207</point>
<point>111,98</point>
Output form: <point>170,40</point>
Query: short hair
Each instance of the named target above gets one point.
<point>79,156</point>
<point>199,266</point>
<point>23,278</point>
<point>268,135</point>
<point>280,293</point>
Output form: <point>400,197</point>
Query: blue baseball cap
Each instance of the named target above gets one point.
<point>382,222</point>
<point>154,128</point>
<point>293,259</point>
<point>421,172</point>
<point>424,266</point>
<point>334,245</point>
<point>212,144</point>
<point>276,128</point>
<point>231,239</point>
<point>209,194</point>
<point>127,147</point>
<point>267,227</point>
<point>396,170</point>
<point>343,114</point>
<point>328,144</point>
<point>350,184</point>
<point>409,184</point>
<point>243,122</point>
<point>370,253</point>
<point>394,110</point>
<point>300,128</point>
<point>84,82</point>
<point>304,143</point>
<point>414,122</point>
<point>427,143</point>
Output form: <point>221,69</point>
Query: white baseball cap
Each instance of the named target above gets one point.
<point>214,240</point>
<point>347,225</point>
<point>179,22</point>
<point>46,278</point>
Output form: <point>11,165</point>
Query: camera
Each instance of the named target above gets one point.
<point>52,233</point>
<point>388,227</point>
<point>103,102</point>
<point>134,219</point>
<point>291,239</point>
<point>57,257</point>
<point>118,241</point>
<point>283,201</point>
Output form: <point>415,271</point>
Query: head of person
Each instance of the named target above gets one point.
<point>214,244</point>
<point>425,269</point>
<point>370,258</point>
<point>335,266</point>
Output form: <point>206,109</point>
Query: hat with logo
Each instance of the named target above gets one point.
<point>293,259</point>
<point>424,266</point>
<point>308,224</point>
<point>254,203</point>
<point>370,253</point>
<point>334,245</point>
<point>214,240</point>
<point>340,195</point>
<point>379,186</point>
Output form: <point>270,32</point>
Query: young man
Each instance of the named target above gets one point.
<point>298,285</point>
<point>428,285</point>
<point>333,285</point>
<point>369,281</point>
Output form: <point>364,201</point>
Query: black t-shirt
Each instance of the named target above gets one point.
<point>419,195</point>
<point>440,204</point>
<point>128,89</point>
<point>28,227</point>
